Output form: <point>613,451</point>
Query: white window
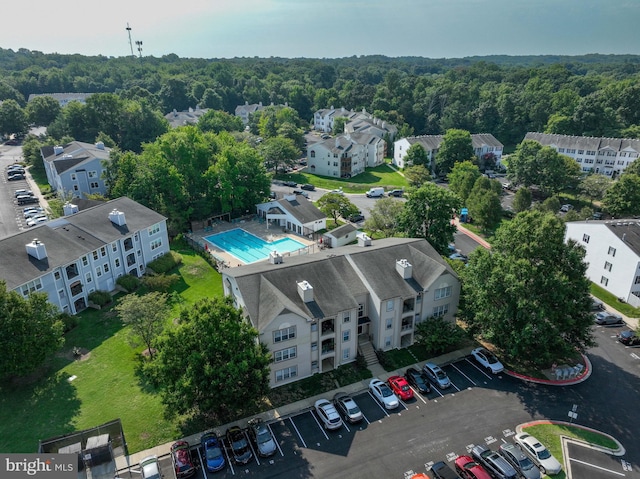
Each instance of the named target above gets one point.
<point>154,229</point>
<point>155,244</point>
<point>346,335</point>
<point>346,317</point>
<point>346,353</point>
<point>284,334</point>
<point>85,261</point>
<point>444,292</point>
<point>95,255</point>
<point>88,277</point>
<point>387,341</point>
<point>31,287</point>
<point>314,346</point>
<point>440,310</point>
<point>98,271</point>
<point>75,188</point>
<point>612,251</point>
<point>105,267</point>
<point>314,327</point>
<point>585,238</point>
<point>285,354</point>
<point>390,305</point>
<point>604,280</point>
<point>114,247</point>
<point>92,174</point>
<point>389,323</point>
<point>286,373</point>
<point>607,266</point>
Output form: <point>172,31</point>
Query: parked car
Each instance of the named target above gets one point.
<point>418,380</point>
<point>15,176</point>
<point>292,184</point>
<point>604,318</point>
<point>212,450</point>
<point>347,407</point>
<point>36,220</point>
<point>261,436</point>
<point>23,192</point>
<point>440,470</point>
<point>377,192</point>
<point>400,387</point>
<point>149,468</point>
<point>497,465</point>
<point>301,193</point>
<point>470,469</point>
<point>487,360</point>
<point>328,414</point>
<point>384,394</point>
<point>181,459</point>
<point>596,305</point>
<point>272,195</point>
<point>337,191</point>
<point>519,461</point>
<point>539,454</point>
<point>308,187</point>
<point>356,218</point>
<point>239,446</point>
<point>628,338</point>
<point>436,375</point>
<point>27,199</point>
<point>396,193</point>
<point>459,257</point>
<point>566,208</point>
<point>32,211</point>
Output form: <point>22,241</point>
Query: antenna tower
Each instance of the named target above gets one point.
<point>130,44</point>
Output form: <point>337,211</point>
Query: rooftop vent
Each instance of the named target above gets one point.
<point>275,257</point>
<point>363,239</point>
<point>100,145</point>
<point>36,249</point>
<point>69,209</point>
<point>404,268</point>
<point>117,218</point>
<point>68,156</point>
<point>305,290</point>
<point>58,150</point>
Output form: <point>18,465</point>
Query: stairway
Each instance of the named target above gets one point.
<point>366,349</point>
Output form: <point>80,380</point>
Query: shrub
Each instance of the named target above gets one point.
<point>438,335</point>
<point>160,282</point>
<point>128,282</point>
<point>166,262</point>
<point>69,321</point>
<point>100,298</point>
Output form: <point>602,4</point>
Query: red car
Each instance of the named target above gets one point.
<point>470,469</point>
<point>181,458</point>
<point>400,386</point>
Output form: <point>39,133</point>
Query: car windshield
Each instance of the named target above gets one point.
<point>213,452</point>
<point>386,392</point>
<point>525,463</point>
<point>353,409</point>
<point>544,454</point>
<point>440,374</point>
<point>405,387</point>
<point>491,359</point>
<point>263,435</point>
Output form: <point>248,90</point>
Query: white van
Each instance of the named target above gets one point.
<point>375,193</point>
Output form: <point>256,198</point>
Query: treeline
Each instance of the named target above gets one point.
<point>595,95</point>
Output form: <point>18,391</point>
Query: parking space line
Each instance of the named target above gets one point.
<point>344,423</point>
<point>378,403</point>
<point>319,425</point>
<point>365,418</point>
<point>255,454</point>
<point>204,467</point>
<point>435,388</point>
<point>298,432</point>
<point>226,453</point>
<point>454,384</point>
<point>418,395</point>
<point>479,369</point>
<point>274,440</point>
<point>597,467</point>
<point>458,369</point>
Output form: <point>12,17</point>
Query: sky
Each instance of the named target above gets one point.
<point>325,28</point>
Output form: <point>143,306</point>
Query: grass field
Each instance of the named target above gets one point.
<point>604,295</point>
<point>380,176</point>
<point>106,386</point>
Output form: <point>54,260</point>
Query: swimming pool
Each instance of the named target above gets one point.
<point>249,248</point>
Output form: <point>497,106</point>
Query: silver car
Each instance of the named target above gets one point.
<point>347,407</point>
<point>436,375</point>
<point>261,436</point>
<point>520,461</point>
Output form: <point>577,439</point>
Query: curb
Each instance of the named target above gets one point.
<point>554,382</point>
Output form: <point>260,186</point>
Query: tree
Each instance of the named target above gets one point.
<point>436,335</point>
<point>417,155</point>
<point>462,177</point>
<point>12,118</point>
<point>212,364</point>
<point>428,213</point>
<point>335,204</point>
<point>417,175</point>
<point>529,296</point>
<point>384,217</point>
<point>278,152</point>
<point>522,200</point>
<point>456,146</point>
<point>42,110</point>
<point>338,125</point>
<point>633,168</point>
<point>30,330</point>
<point>217,121</point>
<point>623,197</point>
<point>484,204</point>
<point>595,186</point>
<point>146,315</point>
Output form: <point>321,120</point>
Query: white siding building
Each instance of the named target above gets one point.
<point>612,253</point>
<point>84,251</point>
<point>346,155</point>
<point>606,156</point>
<point>311,310</point>
<point>294,213</point>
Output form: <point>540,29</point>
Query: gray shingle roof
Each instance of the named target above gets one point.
<point>342,231</point>
<point>73,154</point>
<point>432,142</point>
<point>302,210</point>
<point>584,142</point>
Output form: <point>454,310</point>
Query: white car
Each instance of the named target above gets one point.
<point>538,453</point>
<point>384,394</point>
<point>31,212</point>
<point>328,414</point>
<point>487,360</point>
<point>149,468</point>
<point>36,220</point>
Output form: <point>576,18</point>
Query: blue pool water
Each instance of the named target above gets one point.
<point>249,248</point>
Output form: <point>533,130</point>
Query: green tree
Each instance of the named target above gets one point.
<point>335,205</point>
<point>146,315</point>
<point>30,331</point>
<point>436,335</point>
<point>522,200</point>
<point>456,146</point>
<point>595,186</point>
<point>417,155</point>
<point>384,217</point>
<point>12,118</point>
<point>484,204</point>
<point>417,175</point>
<point>338,125</point>
<point>428,214</point>
<point>633,168</point>
<point>529,296</point>
<point>217,121</point>
<point>42,110</point>
<point>278,152</point>
<point>209,361</point>
<point>462,177</point>
<point>623,196</point>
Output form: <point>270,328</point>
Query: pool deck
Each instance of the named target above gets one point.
<point>255,227</point>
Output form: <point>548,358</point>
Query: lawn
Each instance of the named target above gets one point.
<point>106,386</point>
<point>380,176</point>
<point>614,302</point>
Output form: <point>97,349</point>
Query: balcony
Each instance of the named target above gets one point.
<point>328,346</point>
<point>72,271</point>
<point>408,305</point>
<point>328,327</point>
<point>407,324</point>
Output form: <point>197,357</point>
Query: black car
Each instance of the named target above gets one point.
<point>292,184</point>
<point>396,193</point>
<point>15,177</point>
<point>308,187</point>
<point>418,380</point>
<point>239,445</point>
<point>440,470</point>
<point>629,338</point>
<point>356,218</point>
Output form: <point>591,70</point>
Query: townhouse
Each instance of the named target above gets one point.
<point>346,155</point>
<point>312,311</point>
<point>187,117</point>
<point>357,122</point>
